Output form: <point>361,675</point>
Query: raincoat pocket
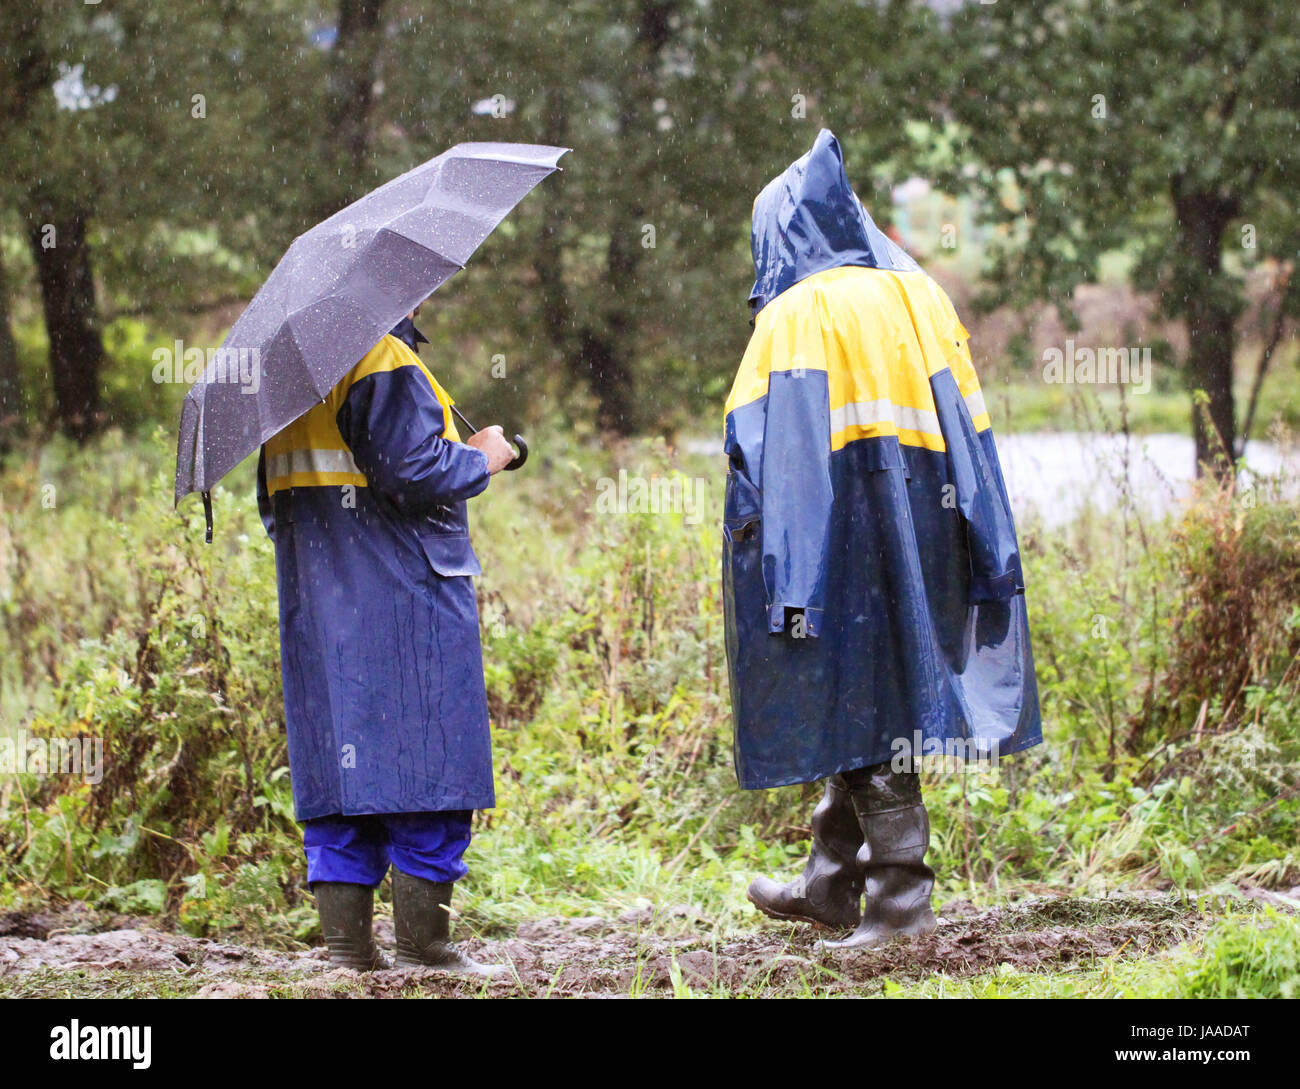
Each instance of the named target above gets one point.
<point>450,554</point>
<point>447,520</point>
<point>886,455</point>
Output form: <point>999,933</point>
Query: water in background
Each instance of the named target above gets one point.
<point>1058,475</point>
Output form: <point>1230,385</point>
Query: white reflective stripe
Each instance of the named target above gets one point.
<point>311,461</point>
<point>917,419</point>
<point>975,403</point>
<point>867,413</point>
<point>861,414</point>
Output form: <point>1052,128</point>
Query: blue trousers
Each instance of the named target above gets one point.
<point>360,849</point>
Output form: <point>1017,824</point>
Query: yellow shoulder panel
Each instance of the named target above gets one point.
<point>942,316</point>
<point>310,452</point>
<point>390,354</point>
<point>876,343</point>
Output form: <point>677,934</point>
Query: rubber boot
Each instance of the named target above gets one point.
<point>422,918</point>
<point>828,892</point>
<point>346,916</point>
<point>896,835</point>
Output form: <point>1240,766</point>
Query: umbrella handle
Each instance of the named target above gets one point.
<point>521,457</point>
<point>207,517</point>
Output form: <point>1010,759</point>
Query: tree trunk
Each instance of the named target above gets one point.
<point>31,73</point>
<point>607,354</point>
<point>607,351</point>
<point>1211,316</point>
<point>11,385</point>
<point>548,250</point>
<point>68,300</point>
<point>605,358</point>
<point>349,99</point>
<point>597,354</point>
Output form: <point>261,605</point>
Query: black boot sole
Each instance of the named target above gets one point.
<point>786,917</point>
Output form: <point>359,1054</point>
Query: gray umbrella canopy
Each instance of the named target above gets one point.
<point>338,289</point>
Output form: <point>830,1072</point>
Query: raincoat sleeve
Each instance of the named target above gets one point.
<point>796,488</point>
<point>394,425</point>
<point>981,494</point>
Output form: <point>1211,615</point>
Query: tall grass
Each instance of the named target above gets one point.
<point>1166,654</point>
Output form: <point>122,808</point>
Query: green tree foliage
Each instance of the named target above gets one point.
<point>1164,132</point>
<point>628,274</point>
<point>1167,131</point>
<point>633,281</point>
<point>140,150</point>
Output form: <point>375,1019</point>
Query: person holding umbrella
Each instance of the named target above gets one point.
<point>365,498</point>
<point>871,575</point>
<point>363,480</point>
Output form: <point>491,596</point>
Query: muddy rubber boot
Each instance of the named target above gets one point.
<point>829,891</point>
<point>347,913</point>
<point>422,918</point>
<point>896,835</point>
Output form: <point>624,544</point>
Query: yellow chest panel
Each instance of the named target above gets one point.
<point>310,452</point>
<point>878,336</point>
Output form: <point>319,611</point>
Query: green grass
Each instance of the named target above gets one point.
<point>607,681</point>
<point>1241,956</point>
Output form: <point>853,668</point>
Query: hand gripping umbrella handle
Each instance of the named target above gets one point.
<point>519,458</point>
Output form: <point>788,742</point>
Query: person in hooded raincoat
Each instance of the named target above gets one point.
<point>872,583</point>
<point>384,699</point>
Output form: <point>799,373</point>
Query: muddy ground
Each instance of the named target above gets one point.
<point>82,953</point>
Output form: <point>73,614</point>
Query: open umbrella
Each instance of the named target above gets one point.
<point>338,289</point>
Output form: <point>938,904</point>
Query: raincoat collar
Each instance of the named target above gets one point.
<point>408,334</point>
<point>808,220</point>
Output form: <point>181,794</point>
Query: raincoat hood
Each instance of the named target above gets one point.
<point>808,220</point>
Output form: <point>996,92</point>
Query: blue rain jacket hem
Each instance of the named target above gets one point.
<point>478,801</point>
<point>852,763</point>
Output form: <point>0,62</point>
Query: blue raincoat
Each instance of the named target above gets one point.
<point>871,574</point>
<point>364,496</point>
